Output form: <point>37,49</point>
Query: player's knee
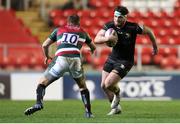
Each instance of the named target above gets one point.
<point>82,86</point>
<point>108,84</point>
<point>81,83</point>
<point>45,81</point>
<point>103,86</point>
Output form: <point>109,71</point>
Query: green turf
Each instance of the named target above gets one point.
<point>72,111</point>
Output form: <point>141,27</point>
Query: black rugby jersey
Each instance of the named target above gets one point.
<point>125,47</point>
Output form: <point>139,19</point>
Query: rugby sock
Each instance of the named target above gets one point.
<point>86,99</point>
<point>40,91</point>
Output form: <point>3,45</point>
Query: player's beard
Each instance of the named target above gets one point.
<point>119,23</point>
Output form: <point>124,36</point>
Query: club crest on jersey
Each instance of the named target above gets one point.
<point>127,35</point>
<point>122,66</point>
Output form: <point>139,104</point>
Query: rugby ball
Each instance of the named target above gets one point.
<point>107,34</point>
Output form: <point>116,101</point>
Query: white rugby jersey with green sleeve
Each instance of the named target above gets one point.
<point>69,40</point>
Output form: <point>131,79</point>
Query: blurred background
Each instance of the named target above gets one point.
<point>25,24</point>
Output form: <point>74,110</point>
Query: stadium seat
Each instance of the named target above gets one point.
<point>146,59</point>
<point>168,51</point>
<point>177,64</point>
<point>55,13</point>
<point>147,50</point>
<point>175,32</point>
<point>168,63</point>
<point>12,31</point>
<point>68,12</point>
<point>157,59</point>
<point>86,22</point>
<point>171,41</point>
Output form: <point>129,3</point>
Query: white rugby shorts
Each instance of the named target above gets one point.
<point>63,64</point>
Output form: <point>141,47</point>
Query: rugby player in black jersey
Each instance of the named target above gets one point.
<point>121,59</point>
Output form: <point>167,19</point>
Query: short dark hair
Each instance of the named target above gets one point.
<point>122,9</point>
<point>74,19</point>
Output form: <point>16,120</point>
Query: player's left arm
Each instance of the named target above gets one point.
<point>45,48</point>
<point>90,43</point>
<point>149,32</point>
<point>92,47</point>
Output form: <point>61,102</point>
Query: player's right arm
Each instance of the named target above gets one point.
<point>45,48</point>
<point>100,37</point>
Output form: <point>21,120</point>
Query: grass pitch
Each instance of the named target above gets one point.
<point>72,111</point>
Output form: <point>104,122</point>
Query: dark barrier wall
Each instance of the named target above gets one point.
<point>5,86</point>
<point>134,86</point>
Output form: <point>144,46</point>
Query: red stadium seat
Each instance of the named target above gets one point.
<point>68,12</point>
<point>177,64</point>
<point>174,32</point>
<point>168,51</point>
<point>93,14</point>
<point>168,63</point>
<point>172,41</point>
<point>55,13</point>
<point>86,22</point>
<point>147,50</point>
<point>12,30</point>
<point>146,59</point>
<point>157,59</point>
<point>57,21</point>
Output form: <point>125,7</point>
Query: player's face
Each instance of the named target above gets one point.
<point>119,20</point>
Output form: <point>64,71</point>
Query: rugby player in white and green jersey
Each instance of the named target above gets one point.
<point>69,39</point>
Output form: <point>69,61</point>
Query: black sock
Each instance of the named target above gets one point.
<point>40,91</point>
<point>86,99</point>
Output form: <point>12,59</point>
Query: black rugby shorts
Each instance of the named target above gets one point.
<point>121,67</point>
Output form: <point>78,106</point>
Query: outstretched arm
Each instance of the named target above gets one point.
<point>92,47</point>
<point>152,37</point>
<point>45,48</point>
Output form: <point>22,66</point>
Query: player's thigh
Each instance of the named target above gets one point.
<point>112,79</point>
<point>108,67</point>
<point>103,78</point>
<point>56,68</point>
<point>75,67</point>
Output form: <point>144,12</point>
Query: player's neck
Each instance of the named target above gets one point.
<point>122,25</point>
<point>73,26</point>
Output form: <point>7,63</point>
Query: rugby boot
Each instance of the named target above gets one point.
<point>33,109</point>
<point>89,115</point>
<point>116,110</point>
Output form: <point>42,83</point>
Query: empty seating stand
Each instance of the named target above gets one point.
<point>19,49</point>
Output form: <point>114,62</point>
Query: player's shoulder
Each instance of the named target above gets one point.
<point>108,25</point>
<point>130,23</point>
<point>82,30</point>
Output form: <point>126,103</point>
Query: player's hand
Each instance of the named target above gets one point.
<point>46,60</point>
<point>155,50</point>
<point>92,50</point>
<point>113,38</point>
